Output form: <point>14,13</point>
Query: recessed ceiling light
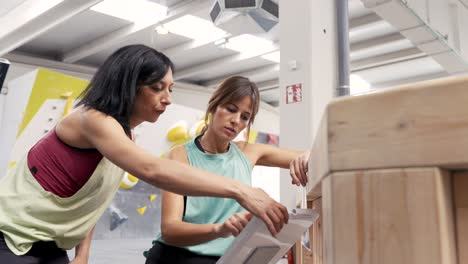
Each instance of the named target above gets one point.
<point>273,56</point>
<point>250,45</point>
<point>195,28</point>
<point>134,11</point>
<point>162,30</point>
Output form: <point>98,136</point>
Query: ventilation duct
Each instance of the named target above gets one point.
<point>263,12</point>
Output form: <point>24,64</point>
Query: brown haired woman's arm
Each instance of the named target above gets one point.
<point>268,155</point>
<point>179,233</point>
<point>106,134</point>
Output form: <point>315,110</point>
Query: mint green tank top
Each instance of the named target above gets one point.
<point>208,210</point>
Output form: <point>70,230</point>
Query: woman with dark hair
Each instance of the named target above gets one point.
<point>51,200</point>
<point>198,230</point>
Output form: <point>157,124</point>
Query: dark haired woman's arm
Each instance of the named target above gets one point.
<point>106,134</point>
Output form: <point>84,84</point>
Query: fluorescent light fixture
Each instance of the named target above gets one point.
<point>273,56</point>
<point>134,10</point>
<point>249,45</point>
<point>358,85</point>
<point>220,41</point>
<point>162,30</point>
<point>195,28</point>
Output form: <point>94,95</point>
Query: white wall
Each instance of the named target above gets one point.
<point>14,103</point>
<point>307,33</point>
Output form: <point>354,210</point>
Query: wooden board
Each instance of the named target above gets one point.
<point>318,163</point>
<point>306,256</point>
<point>402,216</point>
<point>418,125</point>
<point>460,187</point>
<point>316,234</point>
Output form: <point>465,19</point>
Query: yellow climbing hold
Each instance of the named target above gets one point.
<point>177,132</point>
<point>11,164</point>
<point>69,105</point>
<point>152,197</point>
<point>128,181</point>
<point>197,128</point>
<point>252,136</point>
<point>141,210</point>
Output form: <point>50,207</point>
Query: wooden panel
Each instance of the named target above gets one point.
<point>298,251</point>
<point>422,124</point>
<point>460,187</point>
<point>399,216</point>
<point>327,222</point>
<point>318,163</point>
<point>304,256</point>
<point>316,234</point>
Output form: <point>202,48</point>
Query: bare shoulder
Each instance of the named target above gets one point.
<point>93,121</point>
<point>242,144</point>
<point>90,117</point>
<point>178,153</point>
<point>247,147</point>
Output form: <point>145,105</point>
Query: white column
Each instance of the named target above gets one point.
<point>308,58</point>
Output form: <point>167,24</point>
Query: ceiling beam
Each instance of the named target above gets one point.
<point>393,83</point>
<point>364,21</point>
<point>268,85</point>
<point>207,66</point>
<point>49,64</point>
<point>121,34</point>
<point>21,14</point>
<point>370,43</point>
<point>249,74</point>
<point>34,17</point>
<point>385,59</point>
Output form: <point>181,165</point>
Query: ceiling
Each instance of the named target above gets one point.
<point>69,35</point>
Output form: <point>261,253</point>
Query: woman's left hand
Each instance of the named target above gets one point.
<point>298,169</point>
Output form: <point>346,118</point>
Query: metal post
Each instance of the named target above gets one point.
<point>342,23</point>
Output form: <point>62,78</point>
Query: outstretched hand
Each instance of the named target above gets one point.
<point>257,201</point>
<point>233,225</point>
<point>298,169</point>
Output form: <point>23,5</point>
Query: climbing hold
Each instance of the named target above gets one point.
<point>152,197</point>
<point>128,181</point>
<point>177,132</point>
<point>141,210</point>
<point>197,128</point>
<point>117,217</point>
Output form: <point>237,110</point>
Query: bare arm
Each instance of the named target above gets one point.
<point>267,155</point>
<point>82,250</point>
<point>106,134</point>
<point>179,233</point>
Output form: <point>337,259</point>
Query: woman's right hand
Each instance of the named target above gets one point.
<point>257,201</point>
<point>233,225</point>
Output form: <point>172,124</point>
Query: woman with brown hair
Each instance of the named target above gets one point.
<point>200,229</point>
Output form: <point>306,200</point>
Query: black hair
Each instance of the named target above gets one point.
<point>119,79</point>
